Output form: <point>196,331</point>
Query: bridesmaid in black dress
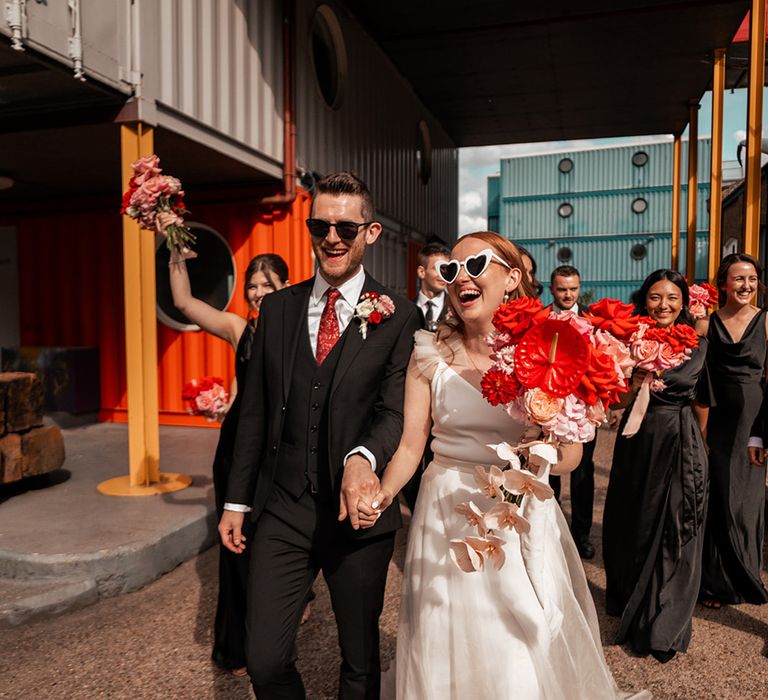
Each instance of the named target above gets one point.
<point>657,493</point>
<point>265,274</point>
<point>733,544</point>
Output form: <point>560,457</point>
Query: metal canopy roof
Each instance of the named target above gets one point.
<point>504,71</point>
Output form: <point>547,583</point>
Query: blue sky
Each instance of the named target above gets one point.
<point>476,164</point>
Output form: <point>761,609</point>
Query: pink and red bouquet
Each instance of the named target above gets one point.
<point>559,372</point>
<point>206,397</point>
<point>156,201</point>
<point>702,298</point>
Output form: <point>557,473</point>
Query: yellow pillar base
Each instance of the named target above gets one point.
<point>121,485</point>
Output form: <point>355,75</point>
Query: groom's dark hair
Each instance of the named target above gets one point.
<point>346,182</point>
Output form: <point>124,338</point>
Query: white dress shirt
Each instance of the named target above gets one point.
<point>345,308</point>
<point>438,301</point>
<point>574,309</point>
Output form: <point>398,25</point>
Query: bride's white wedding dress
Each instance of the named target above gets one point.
<point>528,630</point>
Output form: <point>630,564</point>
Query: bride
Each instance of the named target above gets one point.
<point>528,629</point>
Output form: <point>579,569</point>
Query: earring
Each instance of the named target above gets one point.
<point>505,298</point>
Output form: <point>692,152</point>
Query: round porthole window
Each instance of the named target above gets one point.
<point>639,205</point>
<point>424,152</point>
<point>565,254</point>
<point>638,251</point>
<point>329,55</point>
<point>639,159</point>
<point>565,210</point>
<point>565,165</point>
<point>212,276</point>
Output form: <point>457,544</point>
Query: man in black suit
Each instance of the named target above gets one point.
<point>431,299</point>
<point>321,415</point>
<point>565,285</point>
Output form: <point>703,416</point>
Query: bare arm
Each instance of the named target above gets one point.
<point>701,414</point>
<point>223,324</point>
<point>569,458</point>
<point>417,422</point>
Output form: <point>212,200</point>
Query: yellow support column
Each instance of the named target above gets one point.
<point>754,128</point>
<point>676,168</point>
<point>716,172</point>
<point>144,477</point>
<point>693,191</point>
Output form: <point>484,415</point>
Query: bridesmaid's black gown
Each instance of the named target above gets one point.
<point>229,627</point>
<point>733,544</point>
<point>654,515</point>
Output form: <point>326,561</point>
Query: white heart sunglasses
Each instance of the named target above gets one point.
<point>475,265</point>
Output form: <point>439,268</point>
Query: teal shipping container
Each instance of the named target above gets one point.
<point>607,211</point>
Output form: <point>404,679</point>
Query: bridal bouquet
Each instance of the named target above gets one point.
<point>559,372</point>
<point>157,202</point>
<point>206,397</point>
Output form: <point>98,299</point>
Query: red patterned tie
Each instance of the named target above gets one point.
<point>328,333</point>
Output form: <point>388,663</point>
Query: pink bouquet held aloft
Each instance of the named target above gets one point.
<point>206,397</point>
<point>702,298</point>
<point>156,201</point>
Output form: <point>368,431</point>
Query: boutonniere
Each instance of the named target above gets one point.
<point>372,309</point>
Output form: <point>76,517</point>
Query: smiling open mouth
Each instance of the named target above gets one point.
<point>468,295</point>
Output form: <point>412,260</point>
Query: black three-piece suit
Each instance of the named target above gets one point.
<point>297,423</point>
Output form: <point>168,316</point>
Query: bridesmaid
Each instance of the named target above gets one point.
<point>265,274</point>
<point>657,493</point>
<point>733,542</point>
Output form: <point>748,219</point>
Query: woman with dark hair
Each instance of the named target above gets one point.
<point>489,634</point>
<point>657,493</point>
<point>733,544</point>
<point>529,264</point>
<point>265,274</point>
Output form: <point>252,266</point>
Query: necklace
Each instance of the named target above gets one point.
<point>474,364</point>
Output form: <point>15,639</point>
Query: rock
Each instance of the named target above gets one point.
<point>24,394</point>
<point>11,461</point>
<point>42,450</point>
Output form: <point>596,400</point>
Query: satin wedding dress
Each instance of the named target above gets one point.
<point>528,630</point>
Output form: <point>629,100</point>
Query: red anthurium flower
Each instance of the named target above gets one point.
<point>517,316</point>
<point>613,316</point>
<point>552,356</point>
<point>500,387</point>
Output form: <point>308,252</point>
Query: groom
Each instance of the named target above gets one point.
<point>321,415</point>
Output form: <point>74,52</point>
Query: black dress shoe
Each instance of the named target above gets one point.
<point>663,656</point>
<point>585,547</point>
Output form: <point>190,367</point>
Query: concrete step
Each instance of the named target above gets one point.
<point>24,601</point>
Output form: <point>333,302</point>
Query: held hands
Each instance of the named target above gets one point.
<point>368,512</point>
<point>637,380</point>
<point>358,483</point>
<point>231,531</point>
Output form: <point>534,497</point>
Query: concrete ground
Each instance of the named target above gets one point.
<point>155,643</point>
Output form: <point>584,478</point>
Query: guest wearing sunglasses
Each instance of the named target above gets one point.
<point>454,625</point>
<point>321,416</point>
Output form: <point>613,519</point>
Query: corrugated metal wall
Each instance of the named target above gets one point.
<point>219,64</point>
<point>374,133</point>
<point>599,213</point>
<point>597,170</point>
<point>73,294</point>
<point>494,202</point>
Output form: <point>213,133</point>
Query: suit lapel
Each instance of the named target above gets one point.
<point>294,323</point>
<point>352,339</point>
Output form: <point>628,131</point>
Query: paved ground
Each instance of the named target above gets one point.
<point>154,643</point>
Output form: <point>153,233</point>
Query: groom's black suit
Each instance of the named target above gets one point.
<point>297,423</point>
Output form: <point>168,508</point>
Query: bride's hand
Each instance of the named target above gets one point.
<point>368,513</point>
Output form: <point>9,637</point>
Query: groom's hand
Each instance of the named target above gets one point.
<point>231,531</point>
<point>359,481</point>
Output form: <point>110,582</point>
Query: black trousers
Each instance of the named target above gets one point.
<point>293,541</point>
<point>582,492</point>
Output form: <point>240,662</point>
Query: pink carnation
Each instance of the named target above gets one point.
<point>572,424</point>
<point>385,306</point>
<point>146,168</point>
<point>204,401</point>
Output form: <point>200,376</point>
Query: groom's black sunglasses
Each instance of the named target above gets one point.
<point>346,230</point>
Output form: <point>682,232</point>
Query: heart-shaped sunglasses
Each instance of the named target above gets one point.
<point>475,265</point>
